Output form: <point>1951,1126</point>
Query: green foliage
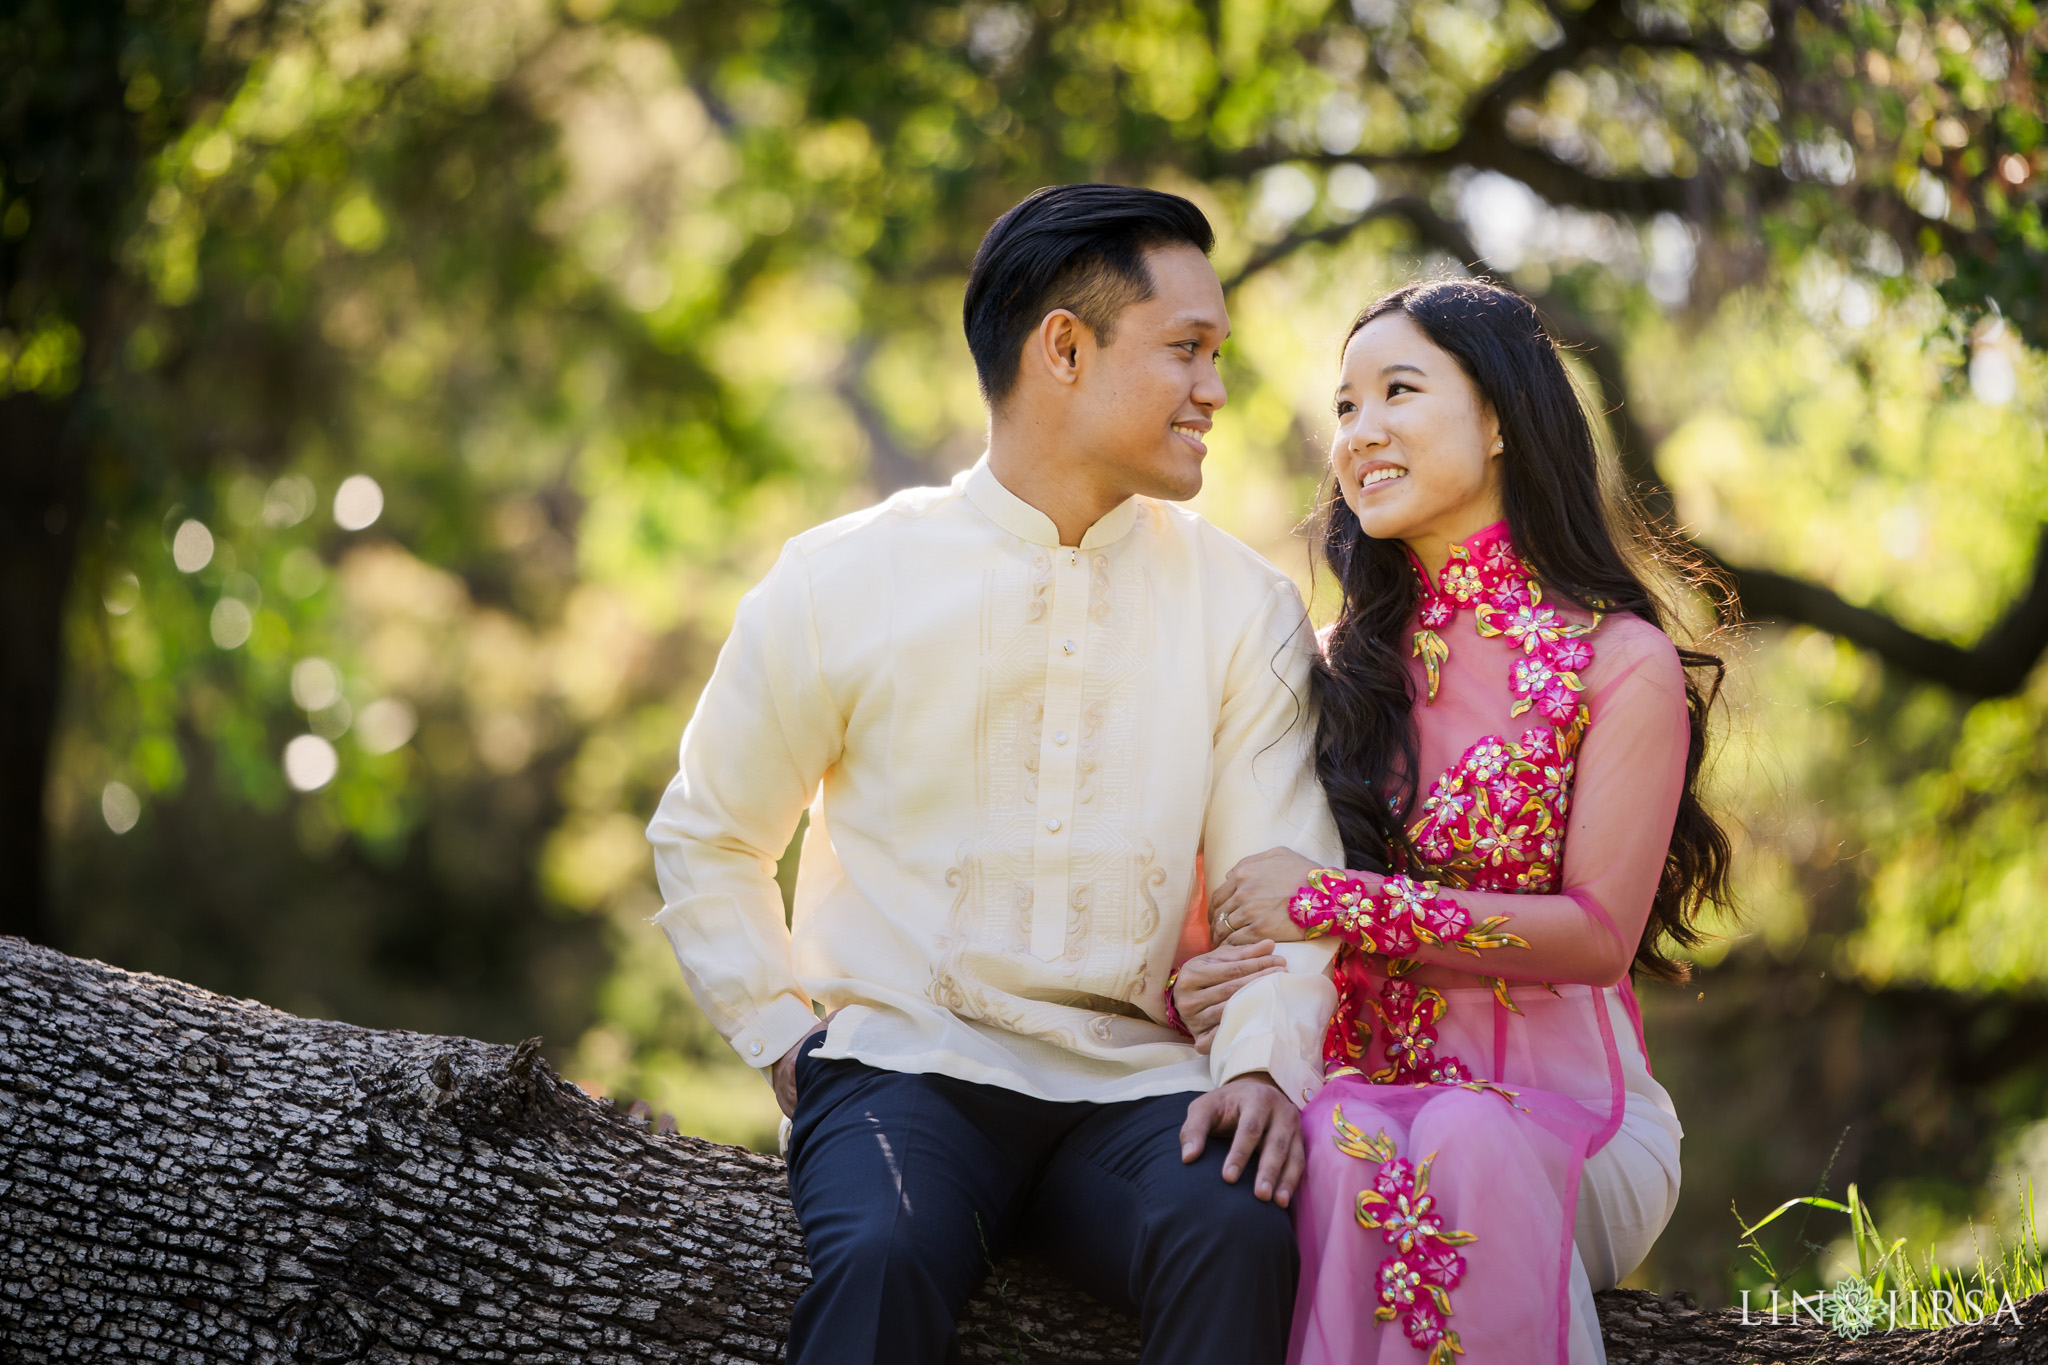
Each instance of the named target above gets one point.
<point>609,298</point>
<point>2014,1269</point>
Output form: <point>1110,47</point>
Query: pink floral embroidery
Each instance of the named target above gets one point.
<point>1494,821</point>
<point>1462,583</point>
<point>1415,1281</point>
<point>1487,575</point>
<point>1568,655</point>
<point>1393,919</point>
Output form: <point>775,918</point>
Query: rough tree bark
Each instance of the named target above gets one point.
<point>188,1177</point>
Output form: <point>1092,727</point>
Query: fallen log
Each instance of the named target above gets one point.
<point>189,1177</point>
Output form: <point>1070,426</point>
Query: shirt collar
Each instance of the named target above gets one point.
<point>1027,523</point>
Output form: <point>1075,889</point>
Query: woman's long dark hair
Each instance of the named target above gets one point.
<point>1567,522</point>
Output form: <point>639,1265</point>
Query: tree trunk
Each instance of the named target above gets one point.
<point>42,498</point>
<point>188,1177</point>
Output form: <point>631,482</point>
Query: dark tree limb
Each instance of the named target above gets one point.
<point>1996,666</point>
<point>193,1178</point>
<point>188,1177</point>
<point>1416,212</point>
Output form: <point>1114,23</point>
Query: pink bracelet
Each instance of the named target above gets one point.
<point>1172,1011</point>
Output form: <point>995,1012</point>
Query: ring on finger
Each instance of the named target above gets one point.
<point>1227,925</point>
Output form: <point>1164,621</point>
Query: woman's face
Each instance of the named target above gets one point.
<point>1417,446</point>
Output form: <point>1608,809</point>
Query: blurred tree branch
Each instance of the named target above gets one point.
<point>1997,665</point>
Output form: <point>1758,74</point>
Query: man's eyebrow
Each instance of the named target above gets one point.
<point>1201,320</point>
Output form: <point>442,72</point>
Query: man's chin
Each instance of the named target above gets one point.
<point>1176,481</point>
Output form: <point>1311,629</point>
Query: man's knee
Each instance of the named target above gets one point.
<point>886,1256</point>
<point>1215,1220</point>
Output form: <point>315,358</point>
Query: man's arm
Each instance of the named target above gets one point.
<point>1265,795</point>
<point>765,730</point>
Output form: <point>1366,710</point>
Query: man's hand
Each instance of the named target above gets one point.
<point>1206,984</point>
<point>783,1073</point>
<point>1264,1120</point>
<point>1252,904</point>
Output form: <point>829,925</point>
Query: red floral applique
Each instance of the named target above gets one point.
<point>1487,575</point>
<point>1416,1280</point>
<point>1494,821</point>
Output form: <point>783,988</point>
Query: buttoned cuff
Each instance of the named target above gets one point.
<point>774,1031</point>
<point>1276,1024</point>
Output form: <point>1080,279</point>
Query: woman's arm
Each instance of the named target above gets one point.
<point>1630,774</point>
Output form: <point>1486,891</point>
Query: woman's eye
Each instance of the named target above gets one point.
<point>1395,388</point>
<point>1345,407</point>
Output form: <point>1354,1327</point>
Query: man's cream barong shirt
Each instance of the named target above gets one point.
<point>1012,753</point>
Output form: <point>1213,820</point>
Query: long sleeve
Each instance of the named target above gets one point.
<point>1630,774</point>
<point>763,735</point>
<point>1264,795</point>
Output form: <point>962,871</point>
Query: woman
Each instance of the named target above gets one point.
<point>1504,724</point>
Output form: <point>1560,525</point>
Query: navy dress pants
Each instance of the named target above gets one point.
<point>908,1186</point>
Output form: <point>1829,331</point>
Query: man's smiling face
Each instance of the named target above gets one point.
<point>1149,397</point>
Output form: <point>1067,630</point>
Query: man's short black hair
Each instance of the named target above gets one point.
<point>1078,247</point>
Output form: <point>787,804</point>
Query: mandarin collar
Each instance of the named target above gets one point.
<point>1027,523</point>
<point>1475,547</point>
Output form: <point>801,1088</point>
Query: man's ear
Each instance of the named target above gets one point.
<point>1058,344</point>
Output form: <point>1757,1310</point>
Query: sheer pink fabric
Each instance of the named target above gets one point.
<point>1489,1236</point>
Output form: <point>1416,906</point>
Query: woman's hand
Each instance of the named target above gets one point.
<point>1252,902</point>
<point>1207,982</point>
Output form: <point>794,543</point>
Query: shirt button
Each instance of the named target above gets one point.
<point>1073,557</point>
<point>755,1049</point>
<point>1059,736</point>
<point>1067,645</point>
<point>1053,824</point>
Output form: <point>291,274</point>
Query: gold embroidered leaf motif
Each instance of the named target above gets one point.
<point>1431,649</point>
<point>1500,993</point>
<point>1441,1297</point>
<point>1489,935</point>
<point>1352,1141</point>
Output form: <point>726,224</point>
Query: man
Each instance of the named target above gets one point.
<point>1018,707</point>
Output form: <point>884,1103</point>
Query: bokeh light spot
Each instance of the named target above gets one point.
<point>316,684</point>
<point>1993,377</point>
<point>301,573</point>
<point>232,621</point>
<point>289,501</point>
<point>192,547</point>
<point>122,592</point>
<point>385,724</point>
<point>310,763</point>
<point>120,807</point>
<point>358,502</point>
